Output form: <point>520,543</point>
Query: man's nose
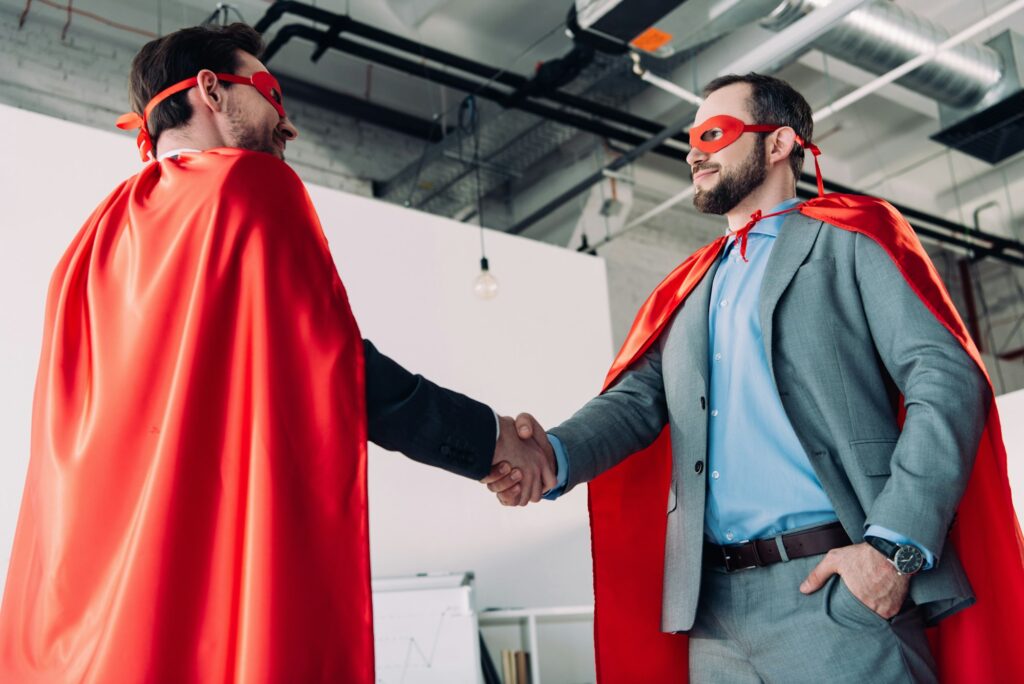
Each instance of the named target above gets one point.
<point>287,129</point>
<point>695,155</point>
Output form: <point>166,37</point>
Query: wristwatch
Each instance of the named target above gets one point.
<point>906,558</point>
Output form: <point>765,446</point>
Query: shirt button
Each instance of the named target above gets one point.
<point>729,535</point>
<point>699,467</point>
<point>714,412</point>
<point>724,303</point>
<point>718,356</point>
<point>714,474</point>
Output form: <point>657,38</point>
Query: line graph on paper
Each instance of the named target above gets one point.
<point>425,647</point>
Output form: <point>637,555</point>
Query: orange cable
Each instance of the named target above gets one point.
<point>88,15</point>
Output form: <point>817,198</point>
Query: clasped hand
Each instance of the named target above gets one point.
<point>524,468</point>
<point>867,574</point>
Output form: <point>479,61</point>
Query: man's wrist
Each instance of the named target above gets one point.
<point>906,558</point>
<point>561,467</point>
<point>876,530</point>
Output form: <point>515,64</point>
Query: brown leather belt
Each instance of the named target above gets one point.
<point>761,552</point>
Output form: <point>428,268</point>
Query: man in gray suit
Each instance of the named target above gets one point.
<point>806,531</point>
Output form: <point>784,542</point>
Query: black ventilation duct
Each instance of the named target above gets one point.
<point>993,129</point>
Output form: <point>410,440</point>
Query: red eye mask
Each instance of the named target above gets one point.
<point>262,81</point>
<point>723,130</point>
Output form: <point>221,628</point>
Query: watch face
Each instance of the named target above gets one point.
<point>908,559</point>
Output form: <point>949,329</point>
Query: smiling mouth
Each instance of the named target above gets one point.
<point>703,173</point>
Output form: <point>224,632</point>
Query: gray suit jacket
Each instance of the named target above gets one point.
<point>844,335</point>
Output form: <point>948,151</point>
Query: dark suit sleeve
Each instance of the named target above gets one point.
<point>426,422</point>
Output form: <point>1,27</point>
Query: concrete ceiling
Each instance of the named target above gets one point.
<point>879,145</point>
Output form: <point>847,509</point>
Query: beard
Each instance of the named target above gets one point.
<point>251,137</point>
<point>733,188</point>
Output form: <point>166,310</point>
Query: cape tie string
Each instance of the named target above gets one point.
<point>131,121</point>
<point>743,233</point>
<point>815,151</point>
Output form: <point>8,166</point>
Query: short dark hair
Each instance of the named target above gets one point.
<point>773,101</point>
<point>180,55</point>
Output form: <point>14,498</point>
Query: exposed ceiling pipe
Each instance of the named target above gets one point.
<point>663,83</point>
<point>434,182</point>
<point>882,35</point>
<point>358,108</point>
<point>934,53</point>
<point>980,243</point>
<point>582,122</point>
<point>798,30</point>
<point>681,196</point>
<point>337,24</point>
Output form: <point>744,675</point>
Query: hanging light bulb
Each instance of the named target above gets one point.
<point>486,285</point>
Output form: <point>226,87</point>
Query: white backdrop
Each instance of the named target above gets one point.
<point>542,345</point>
<point>1011,412</point>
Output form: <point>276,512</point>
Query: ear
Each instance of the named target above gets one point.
<point>780,144</point>
<point>209,90</point>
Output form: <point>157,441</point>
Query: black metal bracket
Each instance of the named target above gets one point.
<point>333,31</point>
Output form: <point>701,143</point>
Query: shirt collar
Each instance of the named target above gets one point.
<point>770,226</point>
<point>175,153</point>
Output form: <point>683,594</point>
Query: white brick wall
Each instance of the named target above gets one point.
<point>85,79</point>
<point>81,79</point>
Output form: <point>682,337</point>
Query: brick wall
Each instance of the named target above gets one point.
<point>84,79</point>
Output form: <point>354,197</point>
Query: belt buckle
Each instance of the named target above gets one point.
<point>758,563</point>
<point>728,559</point>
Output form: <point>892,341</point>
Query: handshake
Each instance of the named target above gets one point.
<point>524,467</point>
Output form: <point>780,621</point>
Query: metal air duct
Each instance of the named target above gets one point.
<point>881,36</point>
<point>978,87</point>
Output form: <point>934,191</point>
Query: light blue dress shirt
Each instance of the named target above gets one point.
<point>760,481</point>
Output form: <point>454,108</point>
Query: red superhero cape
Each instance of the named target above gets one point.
<point>195,507</point>
<point>978,644</point>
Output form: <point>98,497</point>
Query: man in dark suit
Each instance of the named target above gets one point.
<point>442,428</point>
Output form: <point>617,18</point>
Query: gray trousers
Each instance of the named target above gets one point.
<point>755,626</point>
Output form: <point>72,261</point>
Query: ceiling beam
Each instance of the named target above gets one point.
<point>853,77</point>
